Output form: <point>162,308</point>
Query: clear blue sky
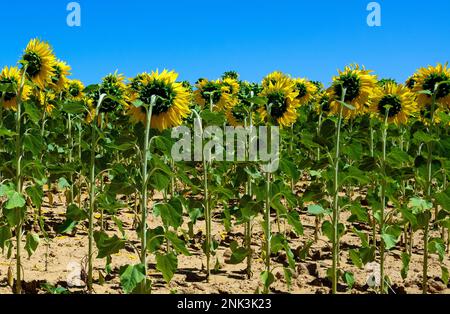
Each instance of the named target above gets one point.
<point>203,38</point>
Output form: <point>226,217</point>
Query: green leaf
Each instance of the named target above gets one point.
<point>258,100</point>
<point>74,213</point>
<point>31,244</point>
<point>5,235</point>
<point>177,243</point>
<point>293,219</point>
<point>267,278</point>
<point>167,265</point>
<point>35,192</point>
<point>445,275</point>
<point>349,279</point>
<point>171,214</point>
<point>356,260</point>
<point>389,240</point>
<point>437,245</point>
<point>32,111</point>
<point>238,255</point>
<point>34,143</point>
<point>316,210</point>
<point>15,200</point>
<point>288,276</point>
<point>155,238</point>
<point>290,169</point>
<point>106,245</point>
<point>7,133</point>
<point>131,276</point>
<point>66,227</point>
<point>74,107</point>
<point>14,216</point>
<point>63,183</point>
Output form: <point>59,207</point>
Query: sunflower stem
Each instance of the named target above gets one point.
<point>19,182</point>
<point>336,198</point>
<point>144,203</point>
<point>92,196</point>
<point>428,191</point>
<point>383,202</point>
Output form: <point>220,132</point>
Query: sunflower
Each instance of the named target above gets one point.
<point>306,90</point>
<point>46,100</point>
<point>75,89</point>
<point>12,76</point>
<point>172,101</point>
<point>61,72</point>
<point>322,104</point>
<point>237,115</point>
<point>112,85</point>
<point>395,101</point>
<point>411,82</point>
<point>359,84</point>
<point>40,61</point>
<point>230,85</point>
<point>282,102</point>
<point>215,91</point>
<point>427,79</point>
<point>274,77</point>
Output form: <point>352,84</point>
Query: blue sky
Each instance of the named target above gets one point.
<point>201,38</point>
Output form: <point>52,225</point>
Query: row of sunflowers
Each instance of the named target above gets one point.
<point>386,140</point>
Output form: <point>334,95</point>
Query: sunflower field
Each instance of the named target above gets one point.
<point>92,199</point>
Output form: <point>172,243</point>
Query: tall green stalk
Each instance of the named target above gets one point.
<point>428,191</point>
<point>144,192</point>
<point>92,192</point>
<point>336,198</point>
<point>19,181</point>
<point>383,202</point>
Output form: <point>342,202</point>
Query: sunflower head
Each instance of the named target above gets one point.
<point>385,81</point>
<point>434,79</point>
<point>12,76</point>
<point>394,102</point>
<point>358,84</point>
<point>112,85</point>
<point>215,92</point>
<point>238,115</point>
<point>247,90</point>
<point>322,105</point>
<point>230,75</point>
<point>40,62</point>
<point>61,72</point>
<point>411,82</point>
<point>230,86</point>
<point>282,102</point>
<point>171,102</point>
<point>306,90</point>
<point>274,77</point>
<point>75,89</point>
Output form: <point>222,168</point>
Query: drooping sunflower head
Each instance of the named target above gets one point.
<point>306,90</point>
<point>136,82</point>
<point>215,93</point>
<point>358,84</point>
<point>230,86</point>
<point>112,85</point>
<point>11,78</point>
<point>322,105</point>
<point>75,89</point>
<point>396,102</point>
<point>238,115</point>
<point>171,103</point>
<point>274,77</point>
<point>411,82</point>
<point>61,72</point>
<point>383,82</point>
<point>231,75</point>
<point>433,79</point>
<point>46,99</point>
<point>40,62</point>
<point>282,103</point>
